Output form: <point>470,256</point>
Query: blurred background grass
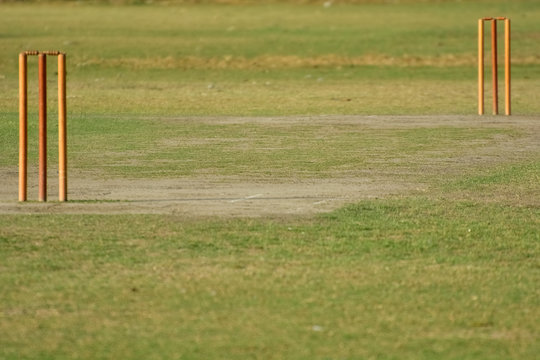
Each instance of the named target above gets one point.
<point>267,58</point>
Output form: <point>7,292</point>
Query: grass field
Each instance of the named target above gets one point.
<point>273,181</point>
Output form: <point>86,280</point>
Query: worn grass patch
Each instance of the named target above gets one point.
<point>517,183</point>
<point>138,147</point>
<point>273,151</point>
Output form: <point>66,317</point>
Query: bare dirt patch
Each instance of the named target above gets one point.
<point>237,197</point>
<point>203,197</point>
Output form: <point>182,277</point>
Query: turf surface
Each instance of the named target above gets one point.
<point>450,272</point>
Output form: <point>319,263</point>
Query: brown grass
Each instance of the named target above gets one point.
<point>293,61</point>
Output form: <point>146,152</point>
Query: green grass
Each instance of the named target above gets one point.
<point>526,174</point>
<point>417,278</point>
<point>410,58</point>
<point>450,273</point>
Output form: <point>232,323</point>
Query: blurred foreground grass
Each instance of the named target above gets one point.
<point>408,279</point>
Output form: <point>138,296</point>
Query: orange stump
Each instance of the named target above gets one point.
<point>481,66</point>
<point>42,127</point>
<point>62,130</point>
<point>494,65</point>
<point>23,125</point>
<point>507,66</point>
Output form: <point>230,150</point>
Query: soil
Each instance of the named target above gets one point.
<point>236,197</point>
